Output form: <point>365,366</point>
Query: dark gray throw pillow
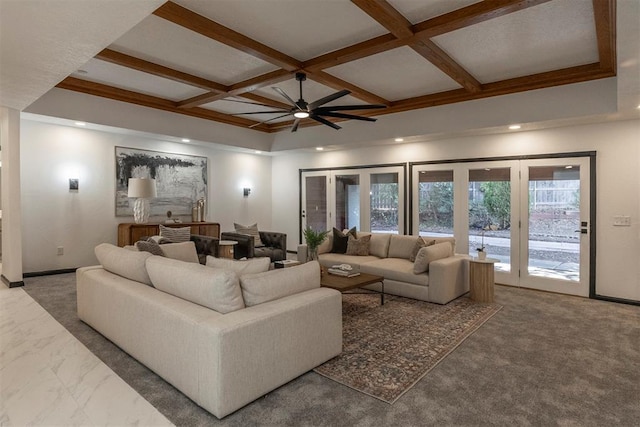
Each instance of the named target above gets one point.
<point>340,240</point>
<point>149,245</point>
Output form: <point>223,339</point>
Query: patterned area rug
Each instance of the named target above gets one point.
<point>387,349</point>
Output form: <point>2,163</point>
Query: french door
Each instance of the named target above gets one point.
<point>369,199</point>
<point>533,216</point>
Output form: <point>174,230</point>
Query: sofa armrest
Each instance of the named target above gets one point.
<point>247,353</point>
<point>245,246</point>
<point>274,239</point>
<point>448,278</point>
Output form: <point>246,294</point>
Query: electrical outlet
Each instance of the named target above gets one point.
<point>622,221</point>
<point>60,250</point>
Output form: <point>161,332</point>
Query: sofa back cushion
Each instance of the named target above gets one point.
<point>250,266</point>
<point>217,289</point>
<point>379,244</point>
<point>129,264</point>
<point>431,253</point>
<point>185,251</point>
<point>401,246</point>
<point>275,284</point>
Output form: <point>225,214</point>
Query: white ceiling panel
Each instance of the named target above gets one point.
<point>127,78</point>
<point>311,91</point>
<point>161,42</point>
<point>421,10</point>
<point>546,37</point>
<point>302,29</point>
<point>396,74</point>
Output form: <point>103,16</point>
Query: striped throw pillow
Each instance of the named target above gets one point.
<point>251,230</point>
<point>175,235</point>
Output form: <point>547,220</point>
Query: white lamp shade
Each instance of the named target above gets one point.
<point>144,188</point>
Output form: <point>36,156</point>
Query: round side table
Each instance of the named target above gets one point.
<point>225,248</point>
<point>482,279</point>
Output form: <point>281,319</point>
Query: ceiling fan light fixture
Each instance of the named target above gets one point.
<point>301,114</point>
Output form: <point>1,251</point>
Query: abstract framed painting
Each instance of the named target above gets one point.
<point>181,180</point>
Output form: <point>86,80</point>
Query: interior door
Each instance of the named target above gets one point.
<point>555,226</point>
<point>315,201</point>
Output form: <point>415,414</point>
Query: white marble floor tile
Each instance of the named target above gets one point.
<point>47,377</point>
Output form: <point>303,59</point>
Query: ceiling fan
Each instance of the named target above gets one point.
<point>301,109</point>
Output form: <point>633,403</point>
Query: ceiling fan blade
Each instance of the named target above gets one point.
<point>349,108</point>
<point>324,121</point>
<point>296,123</point>
<point>285,96</point>
<point>347,116</point>
<point>262,112</point>
<point>267,121</point>
<point>250,102</point>
<point>329,98</point>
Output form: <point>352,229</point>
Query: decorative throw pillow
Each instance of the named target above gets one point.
<point>358,246</point>
<point>149,245</point>
<point>175,235</point>
<point>341,239</point>
<point>420,243</point>
<point>431,253</point>
<point>251,230</point>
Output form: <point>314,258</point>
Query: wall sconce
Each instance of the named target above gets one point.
<point>246,191</point>
<point>74,184</point>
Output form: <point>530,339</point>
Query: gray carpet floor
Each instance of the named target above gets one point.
<point>544,359</point>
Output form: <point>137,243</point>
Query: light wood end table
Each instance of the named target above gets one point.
<point>482,279</point>
<point>225,248</point>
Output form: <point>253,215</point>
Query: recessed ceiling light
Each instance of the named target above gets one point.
<point>319,148</point>
<point>186,140</point>
<point>638,107</point>
<point>81,124</point>
<point>258,152</point>
<point>399,139</point>
<point>514,127</point>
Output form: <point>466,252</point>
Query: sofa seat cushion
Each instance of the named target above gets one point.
<point>275,284</point>
<point>329,259</point>
<point>240,267</point>
<point>217,289</point>
<point>398,269</point>
<point>129,264</point>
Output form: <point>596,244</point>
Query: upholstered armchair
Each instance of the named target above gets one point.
<point>275,245</point>
<point>205,245</point>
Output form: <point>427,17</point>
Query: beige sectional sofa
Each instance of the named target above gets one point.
<point>389,254</point>
<point>221,338</point>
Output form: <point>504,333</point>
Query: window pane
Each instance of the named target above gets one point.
<point>435,202</point>
<point>347,201</point>
<point>490,214</point>
<point>384,202</point>
<point>316,203</point>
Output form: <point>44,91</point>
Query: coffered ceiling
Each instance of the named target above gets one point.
<point>199,58</point>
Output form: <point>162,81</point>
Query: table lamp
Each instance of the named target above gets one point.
<point>142,189</point>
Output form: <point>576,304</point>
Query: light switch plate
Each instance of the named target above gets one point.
<point>622,221</point>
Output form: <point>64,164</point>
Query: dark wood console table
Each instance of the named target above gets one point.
<point>129,232</point>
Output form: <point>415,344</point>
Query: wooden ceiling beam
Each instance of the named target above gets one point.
<point>387,16</point>
<point>470,15</point>
<point>159,70</point>
<point>237,89</point>
<point>438,57</point>
<point>264,100</point>
<point>604,12</point>
<point>184,17</point>
<point>338,84</point>
<point>123,95</point>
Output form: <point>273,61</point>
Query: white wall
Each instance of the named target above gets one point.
<point>618,183</point>
<point>53,216</point>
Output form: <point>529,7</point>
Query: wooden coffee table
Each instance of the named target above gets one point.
<point>344,284</point>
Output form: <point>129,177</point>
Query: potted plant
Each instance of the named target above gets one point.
<point>313,239</point>
<point>481,252</point>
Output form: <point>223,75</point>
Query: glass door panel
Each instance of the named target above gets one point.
<point>384,207</point>
<point>315,213</point>
<point>435,202</point>
<point>555,233</point>
<point>347,196</point>
<point>490,214</point>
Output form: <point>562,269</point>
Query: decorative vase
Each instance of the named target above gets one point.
<point>194,214</point>
<point>313,254</point>
<point>141,208</point>
<point>482,255</point>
